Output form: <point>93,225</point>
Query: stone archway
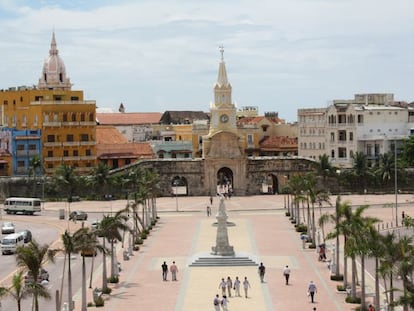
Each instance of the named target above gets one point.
<point>225,181</point>
<point>270,184</point>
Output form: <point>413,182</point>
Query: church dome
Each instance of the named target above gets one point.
<point>54,71</point>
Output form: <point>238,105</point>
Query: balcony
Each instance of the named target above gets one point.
<point>73,123</point>
<point>70,143</point>
<point>23,153</point>
<point>53,159</point>
<point>88,158</point>
<point>88,143</point>
<point>51,124</point>
<point>52,144</point>
<point>87,123</point>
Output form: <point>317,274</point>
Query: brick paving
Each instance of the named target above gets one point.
<point>262,231</point>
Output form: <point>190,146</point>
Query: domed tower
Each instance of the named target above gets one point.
<point>54,71</point>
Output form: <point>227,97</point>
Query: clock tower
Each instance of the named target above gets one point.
<point>223,111</point>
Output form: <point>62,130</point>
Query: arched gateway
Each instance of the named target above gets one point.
<point>225,164</point>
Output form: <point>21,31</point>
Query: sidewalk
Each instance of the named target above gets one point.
<point>262,231</point>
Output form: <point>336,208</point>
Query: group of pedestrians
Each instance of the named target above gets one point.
<point>227,286</point>
<point>173,269</point>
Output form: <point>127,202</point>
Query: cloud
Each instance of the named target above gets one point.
<point>280,55</point>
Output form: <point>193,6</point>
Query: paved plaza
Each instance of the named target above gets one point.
<point>261,231</point>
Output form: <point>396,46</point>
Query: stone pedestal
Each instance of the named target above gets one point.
<point>222,247</point>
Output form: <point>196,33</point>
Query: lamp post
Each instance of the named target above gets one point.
<point>395,183</point>
<point>176,195</point>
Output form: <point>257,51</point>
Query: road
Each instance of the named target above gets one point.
<point>46,229</point>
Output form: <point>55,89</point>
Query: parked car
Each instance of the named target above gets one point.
<point>78,215</point>
<point>7,228</point>
<point>27,236</point>
<point>95,224</point>
<point>43,276</point>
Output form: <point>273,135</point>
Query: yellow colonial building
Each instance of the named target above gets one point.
<point>66,122</point>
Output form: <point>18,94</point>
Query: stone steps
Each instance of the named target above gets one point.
<point>225,261</point>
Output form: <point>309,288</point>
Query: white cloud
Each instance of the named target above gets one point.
<point>280,55</point>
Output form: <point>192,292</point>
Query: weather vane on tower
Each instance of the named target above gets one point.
<point>222,51</point>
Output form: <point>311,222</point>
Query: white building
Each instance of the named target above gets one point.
<point>370,124</point>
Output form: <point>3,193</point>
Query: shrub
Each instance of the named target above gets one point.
<point>301,228</point>
<point>106,291</point>
<point>337,277</point>
<point>287,214</point>
<point>355,300</point>
<point>340,288</point>
<point>139,241</point>
<point>143,235</point>
<point>153,222</point>
<point>99,302</point>
<point>113,279</point>
<point>312,245</point>
<point>146,231</point>
<point>136,247</point>
<point>90,304</point>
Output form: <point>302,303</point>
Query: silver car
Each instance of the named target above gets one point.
<point>7,228</point>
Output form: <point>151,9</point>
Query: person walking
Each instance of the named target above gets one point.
<point>286,273</point>
<point>208,211</point>
<point>211,200</point>
<point>164,268</point>
<point>229,283</point>
<point>223,285</point>
<point>312,290</point>
<point>173,270</point>
<point>246,286</point>
<point>216,303</point>
<point>224,303</point>
<point>237,287</point>
<point>262,271</point>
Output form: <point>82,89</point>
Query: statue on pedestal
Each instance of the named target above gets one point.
<point>222,247</point>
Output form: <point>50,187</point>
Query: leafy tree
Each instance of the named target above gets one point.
<point>407,155</point>
<point>32,257</point>
<point>360,169</point>
<point>101,179</point>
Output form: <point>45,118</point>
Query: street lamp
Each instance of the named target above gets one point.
<point>395,183</point>
<point>176,194</point>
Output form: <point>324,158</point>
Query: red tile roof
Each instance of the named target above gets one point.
<point>279,143</point>
<point>128,118</point>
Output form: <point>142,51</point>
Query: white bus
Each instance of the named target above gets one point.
<point>22,205</point>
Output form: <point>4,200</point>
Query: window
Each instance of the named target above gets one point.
<point>65,117</point>
<point>73,117</point>
<point>369,150</point>
<point>20,164</point>
<point>65,153</point>
<point>20,147</point>
<point>332,137</point>
<point>82,117</point>
<point>84,137</point>
<point>342,135</point>
<point>342,153</point>
<point>351,136</point>
<point>50,138</point>
<point>91,117</point>
<point>360,119</point>
<point>332,154</point>
<point>74,98</point>
<point>250,139</point>
<point>69,137</point>
<point>127,161</point>
<point>50,154</point>
<point>75,153</point>
<point>88,152</point>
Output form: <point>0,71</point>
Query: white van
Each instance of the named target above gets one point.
<point>27,206</point>
<point>10,242</point>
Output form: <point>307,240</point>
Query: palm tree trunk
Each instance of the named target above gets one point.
<point>377,290</point>
<point>391,291</point>
<point>91,276</point>
<point>313,225</point>
<point>353,283</point>
<point>104,272</point>
<point>61,284</point>
<point>362,282</point>
<point>112,260</point>
<point>69,283</point>
<point>83,284</point>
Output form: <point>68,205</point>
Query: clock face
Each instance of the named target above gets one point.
<point>224,118</point>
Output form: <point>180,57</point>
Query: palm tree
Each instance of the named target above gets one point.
<point>66,180</point>
<point>35,166</point>
<point>85,241</point>
<point>17,290</point>
<point>32,257</point>
<point>297,187</point>
<point>360,169</point>
<point>325,167</point>
<point>100,178</point>
<point>109,229</point>
<point>376,250</point>
<point>69,248</point>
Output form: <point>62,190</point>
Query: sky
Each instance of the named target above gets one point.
<point>157,55</point>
